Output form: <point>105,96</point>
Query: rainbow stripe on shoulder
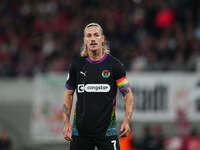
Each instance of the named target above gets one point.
<point>122,83</point>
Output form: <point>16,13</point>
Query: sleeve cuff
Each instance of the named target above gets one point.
<point>68,86</point>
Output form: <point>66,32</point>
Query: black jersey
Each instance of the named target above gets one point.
<point>96,85</point>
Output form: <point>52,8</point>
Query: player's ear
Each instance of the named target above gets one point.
<point>103,38</point>
<point>84,40</point>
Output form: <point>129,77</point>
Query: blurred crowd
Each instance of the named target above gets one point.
<point>154,139</point>
<point>146,35</point>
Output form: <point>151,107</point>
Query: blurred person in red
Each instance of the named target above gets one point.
<point>126,142</point>
<point>5,143</point>
<point>191,141</point>
<point>165,16</point>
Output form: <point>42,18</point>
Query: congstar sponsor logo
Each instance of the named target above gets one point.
<point>93,88</point>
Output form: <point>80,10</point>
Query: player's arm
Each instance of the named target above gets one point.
<point>124,87</point>
<point>67,106</point>
<point>68,100</point>
<point>129,103</point>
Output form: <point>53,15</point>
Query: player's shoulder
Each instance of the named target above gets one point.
<point>114,60</point>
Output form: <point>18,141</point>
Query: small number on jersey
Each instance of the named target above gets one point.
<point>114,144</point>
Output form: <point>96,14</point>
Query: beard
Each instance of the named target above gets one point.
<point>94,51</point>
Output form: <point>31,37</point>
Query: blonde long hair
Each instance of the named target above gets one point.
<point>84,52</point>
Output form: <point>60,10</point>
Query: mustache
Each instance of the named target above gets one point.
<point>93,43</point>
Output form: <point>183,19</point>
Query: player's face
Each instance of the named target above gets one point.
<point>93,38</point>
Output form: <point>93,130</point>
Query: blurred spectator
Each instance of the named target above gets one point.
<point>5,143</point>
<point>164,17</point>
<point>125,142</point>
<point>152,141</point>
<point>147,143</point>
<point>191,141</point>
<point>182,122</point>
<point>159,136</point>
<point>173,143</point>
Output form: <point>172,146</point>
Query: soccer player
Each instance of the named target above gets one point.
<point>95,76</point>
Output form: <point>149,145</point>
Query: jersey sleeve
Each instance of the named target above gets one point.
<point>120,77</point>
<point>71,78</point>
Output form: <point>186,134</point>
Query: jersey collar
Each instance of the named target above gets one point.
<point>98,61</point>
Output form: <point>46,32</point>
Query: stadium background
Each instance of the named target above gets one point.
<point>157,40</point>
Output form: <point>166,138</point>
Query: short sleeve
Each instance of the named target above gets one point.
<point>120,76</point>
<point>71,77</point>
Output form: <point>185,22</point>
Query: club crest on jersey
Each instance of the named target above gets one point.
<point>105,73</point>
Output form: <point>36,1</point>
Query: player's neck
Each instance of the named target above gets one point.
<point>96,55</point>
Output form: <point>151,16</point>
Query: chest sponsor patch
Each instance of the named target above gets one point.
<point>93,88</point>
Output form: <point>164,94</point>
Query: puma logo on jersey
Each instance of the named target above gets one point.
<point>83,73</point>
